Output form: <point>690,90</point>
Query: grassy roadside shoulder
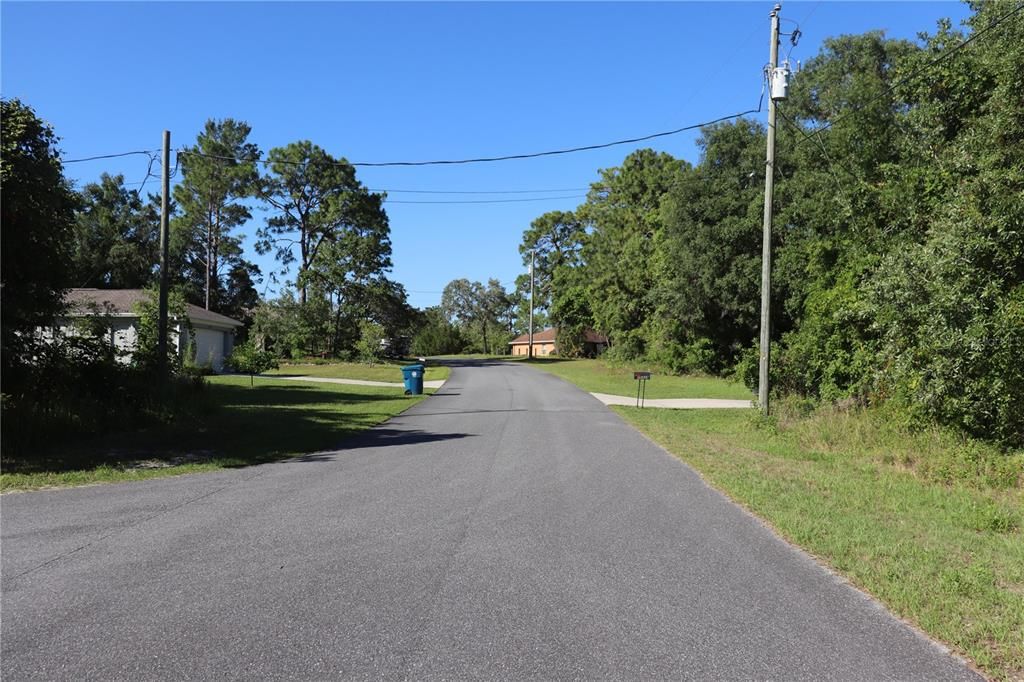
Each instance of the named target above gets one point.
<point>234,426</point>
<point>596,376</point>
<point>384,371</point>
<point>928,524</point>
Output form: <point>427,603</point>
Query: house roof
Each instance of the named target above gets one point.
<point>548,335</point>
<point>545,336</point>
<point>124,301</point>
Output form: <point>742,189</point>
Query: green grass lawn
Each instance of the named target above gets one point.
<point>595,376</point>
<point>386,371</point>
<point>928,524</point>
<point>235,425</point>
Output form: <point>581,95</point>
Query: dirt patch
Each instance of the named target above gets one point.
<point>197,457</point>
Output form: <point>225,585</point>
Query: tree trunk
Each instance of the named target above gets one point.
<point>337,327</point>
<point>214,259</point>
<point>304,249</point>
<point>209,237</point>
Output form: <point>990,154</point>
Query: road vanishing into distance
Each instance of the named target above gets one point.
<point>508,527</point>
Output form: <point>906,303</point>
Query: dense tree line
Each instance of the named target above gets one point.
<point>62,388</point>
<point>898,236</point>
<point>37,216</point>
<point>106,235</point>
<point>473,317</point>
<point>327,231</point>
<point>484,314</point>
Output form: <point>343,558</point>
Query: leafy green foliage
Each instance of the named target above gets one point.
<point>288,328</point>
<point>117,237</point>
<point>146,354</point>
<point>370,346</point>
<point>898,243</point>
<point>570,311</point>
<point>246,358</point>
<point>37,214</point>
<point>80,389</point>
<point>59,389</point>
<point>339,227</point>
<point>218,173</point>
<point>483,313</point>
<point>437,336</point>
<point>336,231</point>
<point>623,248</point>
<point>915,296</point>
<point>555,240</point>
<point>708,302</point>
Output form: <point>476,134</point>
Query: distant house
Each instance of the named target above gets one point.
<point>212,338</point>
<point>544,343</point>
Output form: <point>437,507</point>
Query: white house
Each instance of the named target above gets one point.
<point>212,338</point>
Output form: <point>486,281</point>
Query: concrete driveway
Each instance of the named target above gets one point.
<point>508,527</point>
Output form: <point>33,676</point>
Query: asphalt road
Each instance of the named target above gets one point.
<point>509,527</point>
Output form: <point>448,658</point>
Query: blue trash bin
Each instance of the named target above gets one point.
<point>413,378</point>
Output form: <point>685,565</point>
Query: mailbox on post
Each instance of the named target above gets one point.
<point>641,387</point>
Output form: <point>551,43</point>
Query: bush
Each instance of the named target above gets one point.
<point>438,337</point>
<point>145,357</point>
<point>954,334</point>
<point>370,347</point>
<point>570,339</point>
<point>747,368</point>
<point>77,389</point>
<point>696,357</point>
<point>247,359</point>
<point>627,346</point>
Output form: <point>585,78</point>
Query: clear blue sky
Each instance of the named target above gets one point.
<point>414,81</point>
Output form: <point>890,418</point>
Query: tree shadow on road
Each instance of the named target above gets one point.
<point>380,437</point>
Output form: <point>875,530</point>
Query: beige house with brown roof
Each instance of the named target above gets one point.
<point>544,343</point>
<point>212,337</point>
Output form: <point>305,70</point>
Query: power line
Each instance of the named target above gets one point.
<point>571,150</point>
<point>486,201</point>
<point>480,191</point>
<point>449,191</point>
<point>415,191</point>
<point>916,72</point>
<point>148,153</point>
<point>510,157</point>
<point>808,15</point>
<point>149,173</point>
<point>488,159</point>
<point>828,158</point>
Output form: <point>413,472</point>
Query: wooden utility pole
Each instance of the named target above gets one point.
<point>766,238</point>
<point>533,255</point>
<point>161,344</point>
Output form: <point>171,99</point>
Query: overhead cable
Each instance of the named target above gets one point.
<point>486,201</point>
<point>479,191</point>
<point>111,156</point>
<point>571,150</point>
<point>488,159</point>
